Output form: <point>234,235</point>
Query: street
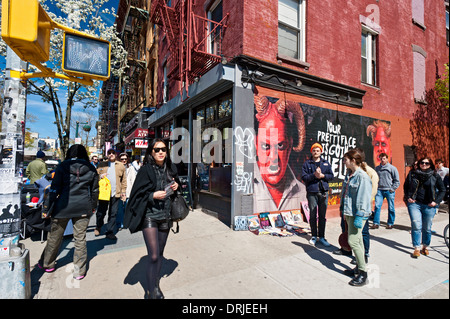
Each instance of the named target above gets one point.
<point>207,260</point>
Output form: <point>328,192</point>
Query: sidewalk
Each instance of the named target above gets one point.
<point>207,260</point>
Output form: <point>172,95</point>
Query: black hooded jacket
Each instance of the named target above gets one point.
<point>74,190</point>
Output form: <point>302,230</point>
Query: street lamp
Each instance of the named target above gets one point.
<point>86,128</point>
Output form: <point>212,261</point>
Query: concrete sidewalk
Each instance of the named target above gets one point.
<point>207,260</point>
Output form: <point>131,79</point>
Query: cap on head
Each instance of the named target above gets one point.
<point>317,145</point>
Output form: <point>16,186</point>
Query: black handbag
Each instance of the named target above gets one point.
<point>179,210</point>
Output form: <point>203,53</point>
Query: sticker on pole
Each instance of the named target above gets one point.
<point>86,56</point>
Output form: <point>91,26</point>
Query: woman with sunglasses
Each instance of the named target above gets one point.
<point>149,206</point>
<point>424,190</point>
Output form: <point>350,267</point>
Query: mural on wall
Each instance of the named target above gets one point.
<point>280,154</point>
<point>280,135</point>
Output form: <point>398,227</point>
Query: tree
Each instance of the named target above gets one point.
<point>441,86</point>
<point>82,15</point>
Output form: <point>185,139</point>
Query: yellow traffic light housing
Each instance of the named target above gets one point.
<point>26,29</point>
<point>86,56</point>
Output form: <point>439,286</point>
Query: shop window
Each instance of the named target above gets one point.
<point>369,56</point>
<point>215,176</point>
<point>225,106</point>
<point>291,29</point>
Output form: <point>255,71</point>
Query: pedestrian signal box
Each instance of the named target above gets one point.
<point>86,56</point>
<point>26,29</point>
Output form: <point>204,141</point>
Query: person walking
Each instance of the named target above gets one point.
<point>424,190</point>
<point>73,196</point>
<point>441,169</point>
<point>388,183</point>
<point>37,168</point>
<point>131,176</point>
<point>116,173</point>
<point>355,206</point>
<point>94,160</point>
<point>365,232</point>
<point>316,173</point>
<point>149,207</point>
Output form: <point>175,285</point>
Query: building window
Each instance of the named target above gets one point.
<point>419,57</point>
<point>446,20</point>
<point>369,56</point>
<point>215,13</point>
<point>291,29</point>
<point>418,13</point>
<point>165,86</point>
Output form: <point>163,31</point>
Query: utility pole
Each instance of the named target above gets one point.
<point>14,258</point>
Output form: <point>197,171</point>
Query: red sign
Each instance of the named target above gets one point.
<point>138,143</point>
<point>138,133</point>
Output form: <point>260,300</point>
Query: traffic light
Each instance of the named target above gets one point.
<point>86,56</point>
<point>26,29</point>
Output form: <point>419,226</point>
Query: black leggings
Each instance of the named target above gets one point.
<point>155,240</point>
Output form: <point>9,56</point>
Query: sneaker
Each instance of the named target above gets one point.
<point>45,269</point>
<point>111,236</point>
<point>324,242</point>
<point>313,240</point>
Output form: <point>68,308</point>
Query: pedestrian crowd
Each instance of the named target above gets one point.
<point>139,197</point>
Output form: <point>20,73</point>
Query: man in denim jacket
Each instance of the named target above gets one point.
<point>316,173</point>
<point>388,183</point>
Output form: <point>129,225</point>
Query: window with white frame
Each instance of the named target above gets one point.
<point>215,13</point>
<point>291,29</point>
<point>165,85</point>
<point>369,56</point>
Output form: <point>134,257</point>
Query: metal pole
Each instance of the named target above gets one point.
<point>11,172</point>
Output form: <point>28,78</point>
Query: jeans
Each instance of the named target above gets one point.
<point>120,213</point>
<point>111,208</point>
<point>317,203</point>
<point>379,198</point>
<point>421,220</point>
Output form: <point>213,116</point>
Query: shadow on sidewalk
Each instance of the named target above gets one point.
<point>137,274</point>
<point>93,247</point>
<point>324,257</point>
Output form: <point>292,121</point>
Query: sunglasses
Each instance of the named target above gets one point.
<point>159,149</point>
<point>424,163</point>
<point>123,159</point>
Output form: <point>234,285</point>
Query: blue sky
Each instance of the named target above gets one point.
<point>44,111</point>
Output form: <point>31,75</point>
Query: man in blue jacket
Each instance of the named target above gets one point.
<point>316,173</point>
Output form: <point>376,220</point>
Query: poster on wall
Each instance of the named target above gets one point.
<point>279,160</point>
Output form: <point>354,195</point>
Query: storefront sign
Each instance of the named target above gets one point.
<point>139,143</point>
<point>138,133</point>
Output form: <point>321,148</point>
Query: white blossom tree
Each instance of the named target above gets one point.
<point>87,16</point>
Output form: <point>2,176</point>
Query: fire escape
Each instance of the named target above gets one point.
<point>195,42</point>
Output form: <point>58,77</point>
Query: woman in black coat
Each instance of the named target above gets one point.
<point>149,206</point>
<point>73,196</point>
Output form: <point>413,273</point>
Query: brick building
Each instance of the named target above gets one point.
<point>337,72</point>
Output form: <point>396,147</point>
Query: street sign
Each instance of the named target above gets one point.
<point>26,29</point>
<point>86,56</point>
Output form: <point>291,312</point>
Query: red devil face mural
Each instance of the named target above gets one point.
<point>273,148</point>
<point>280,130</point>
<point>381,140</point>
